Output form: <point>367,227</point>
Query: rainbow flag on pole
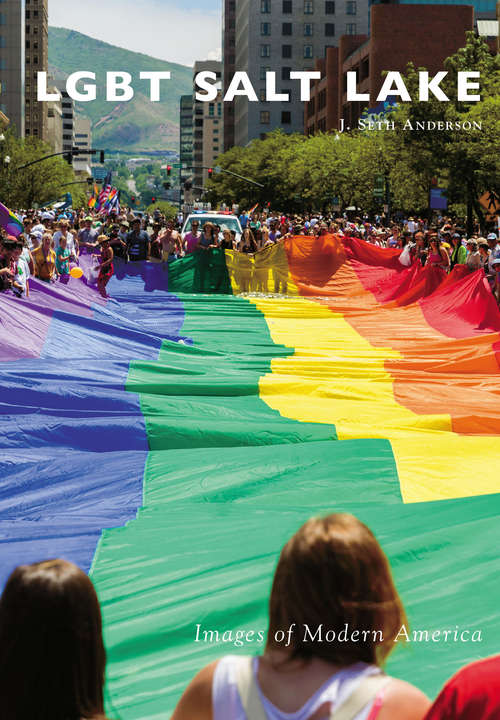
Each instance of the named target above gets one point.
<point>10,222</point>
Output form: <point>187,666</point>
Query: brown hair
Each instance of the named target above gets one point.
<point>333,572</point>
<point>52,657</point>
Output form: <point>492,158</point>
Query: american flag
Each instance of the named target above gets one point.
<point>106,189</point>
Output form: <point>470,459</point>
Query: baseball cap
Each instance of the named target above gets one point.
<point>492,236</point>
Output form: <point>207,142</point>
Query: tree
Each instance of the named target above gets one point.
<point>166,209</point>
<point>39,184</point>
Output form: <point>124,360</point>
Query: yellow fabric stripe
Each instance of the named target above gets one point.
<point>266,271</point>
<point>336,376</point>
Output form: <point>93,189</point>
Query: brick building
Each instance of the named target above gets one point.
<point>423,34</point>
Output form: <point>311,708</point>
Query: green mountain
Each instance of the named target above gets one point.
<point>136,125</point>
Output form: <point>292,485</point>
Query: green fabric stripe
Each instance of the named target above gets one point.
<point>204,271</point>
<point>217,511</point>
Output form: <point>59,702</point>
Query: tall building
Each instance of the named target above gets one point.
<point>37,60</point>
<point>208,127</point>
<point>68,121</point>
<point>55,123</point>
<point>423,34</point>
<point>483,9</point>
<point>83,141</point>
<point>280,36</point>
<point>186,139</point>
<point>228,65</point>
<point>12,62</point>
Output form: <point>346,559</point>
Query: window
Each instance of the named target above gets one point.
<point>265,51</point>
<point>265,6</point>
<point>263,71</point>
<point>265,117</point>
<point>211,109</point>
<point>286,51</point>
<point>308,7</point>
<point>308,29</point>
<point>350,7</point>
<point>286,29</point>
<point>329,7</point>
<point>286,117</point>
<point>350,29</point>
<point>285,73</point>
<point>287,7</point>
<point>265,28</point>
<point>329,29</point>
<point>308,51</point>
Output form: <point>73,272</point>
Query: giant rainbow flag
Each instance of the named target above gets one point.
<point>170,441</point>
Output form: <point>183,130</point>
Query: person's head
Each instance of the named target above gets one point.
<point>17,250</point>
<point>46,241</point>
<point>484,249</point>
<point>333,572</point>
<point>63,241</point>
<point>195,226</point>
<point>88,222</point>
<point>124,226</point>
<point>471,246</point>
<point>492,240</point>
<point>52,656</point>
<point>28,224</point>
<point>136,225</point>
<point>63,226</point>
<point>103,241</point>
<point>208,229</point>
<point>226,234</point>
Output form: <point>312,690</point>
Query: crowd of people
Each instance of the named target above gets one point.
<point>50,246</point>
<point>332,573</point>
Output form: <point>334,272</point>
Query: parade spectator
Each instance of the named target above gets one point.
<point>437,254</point>
<point>473,256</point>
<point>62,257</point>
<point>484,252</point>
<point>247,243</point>
<point>87,237</point>
<point>331,573</point>
<point>44,258</point>
<point>192,238</point>
<point>138,242</point>
<point>70,241</point>
<point>106,268</point>
<point>458,252</point>
<point>7,247</point>
<point>170,243</point>
<point>52,656</point>
<point>471,694</point>
<point>227,242</point>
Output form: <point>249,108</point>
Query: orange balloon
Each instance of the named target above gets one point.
<point>76,272</point>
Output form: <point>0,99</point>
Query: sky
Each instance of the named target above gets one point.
<point>180,31</point>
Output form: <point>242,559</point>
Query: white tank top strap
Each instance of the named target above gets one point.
<point>237,696</point>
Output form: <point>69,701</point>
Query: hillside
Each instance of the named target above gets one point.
<point>135,125</point>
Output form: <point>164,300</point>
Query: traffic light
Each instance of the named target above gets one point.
<point>167,185</point>
<point>68,157</point>
<point>101,157</point>
<point>153,200</point>
<point>132,199</point>
<point>188,185</point>
<point>169,170</point>
<point>210,173</point>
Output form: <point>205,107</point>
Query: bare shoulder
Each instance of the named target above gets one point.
<point>196,701</point>
<point>403,701</point>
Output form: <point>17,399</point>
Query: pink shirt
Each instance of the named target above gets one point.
<point>191,241</point>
